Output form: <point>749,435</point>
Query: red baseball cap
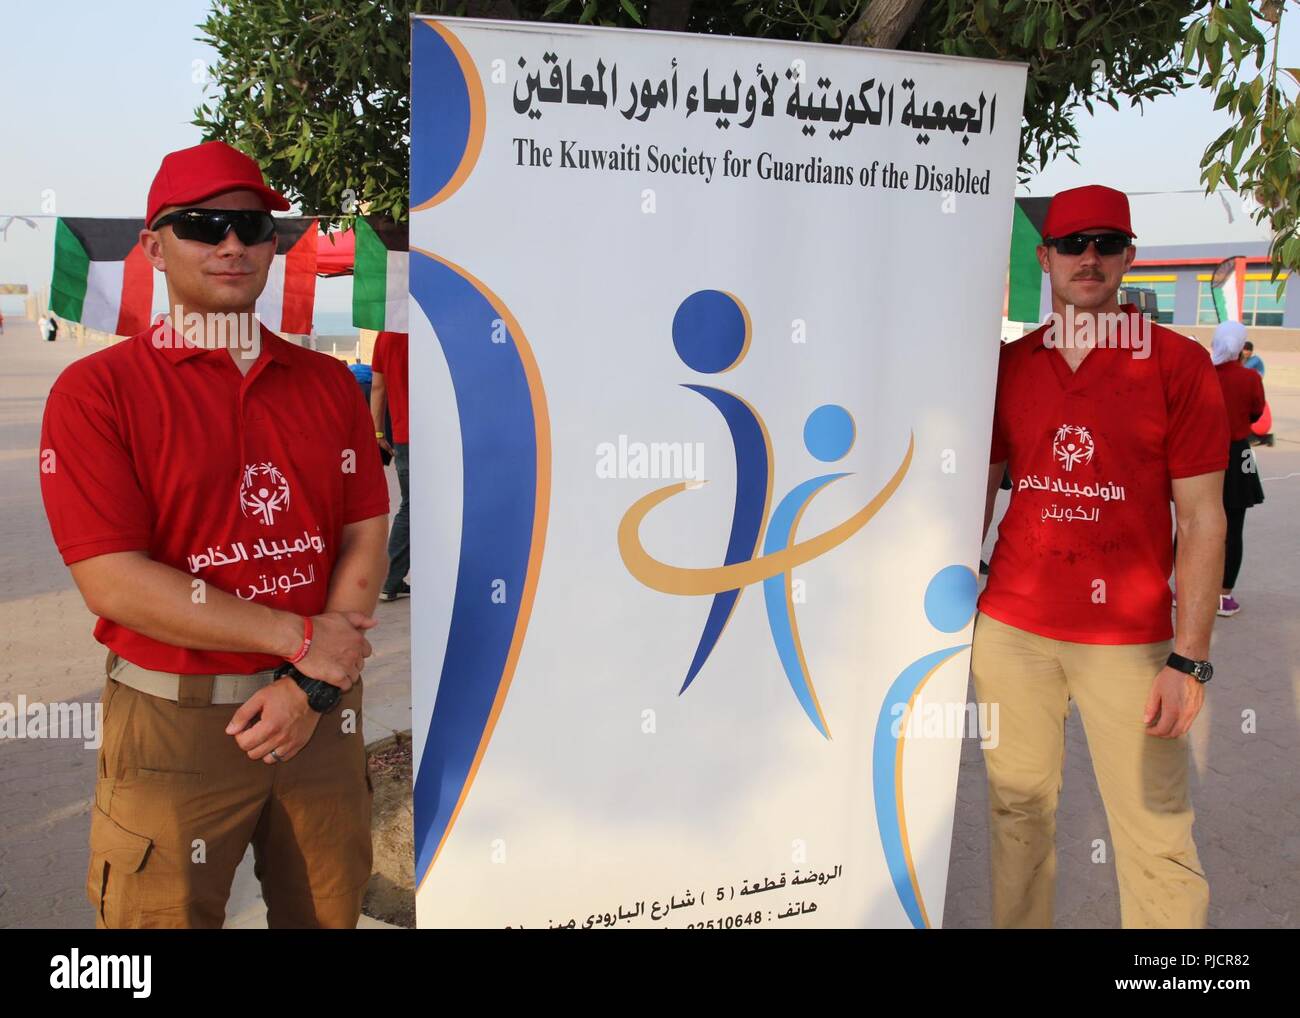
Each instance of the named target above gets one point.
<point>193,174</point>
<point>1093,207</point>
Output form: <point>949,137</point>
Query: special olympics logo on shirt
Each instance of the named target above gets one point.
<point>263,492</point>
<point>1072,445</point>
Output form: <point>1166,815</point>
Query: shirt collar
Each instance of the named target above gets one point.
<point>162,337</point>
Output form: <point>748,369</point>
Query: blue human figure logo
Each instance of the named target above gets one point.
<point>711,333</point>
<point>949,606</point>
<point>828,435</point>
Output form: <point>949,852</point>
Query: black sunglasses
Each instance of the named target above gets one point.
<point>1077,243</point>
<point>210,226</point>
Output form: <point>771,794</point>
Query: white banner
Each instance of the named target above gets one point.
<point>704,335</point>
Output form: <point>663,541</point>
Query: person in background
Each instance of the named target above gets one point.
<point>2,323</point>
<point>361,372</point>
<point>389,391</point>
<point>1251,359</point>
<point>1261,432</point>
<point>364,375</point>
<point>1243,394</point>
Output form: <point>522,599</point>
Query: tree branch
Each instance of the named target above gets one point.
<point>883,24</point>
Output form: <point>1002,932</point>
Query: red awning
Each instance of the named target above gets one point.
<point>335,253</point>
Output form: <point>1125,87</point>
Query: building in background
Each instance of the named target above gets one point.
<point>1181,238</point>
<point>1180,276</point>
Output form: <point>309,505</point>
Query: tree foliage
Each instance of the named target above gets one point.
<point>317,90</point>
<point>1235,50</point>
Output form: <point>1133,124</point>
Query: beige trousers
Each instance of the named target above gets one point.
<point>177,803</point>
<point>1142,779</point>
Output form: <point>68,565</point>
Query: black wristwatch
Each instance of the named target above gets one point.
<point>321,696</point>
<point>1201,671</point>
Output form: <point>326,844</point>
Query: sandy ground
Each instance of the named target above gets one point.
<point>1245,785</point>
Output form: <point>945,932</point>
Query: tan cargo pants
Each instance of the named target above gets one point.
<point>177,803</point>
<point>1142,779</point>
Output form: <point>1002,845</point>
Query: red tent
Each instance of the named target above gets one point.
<point>335,253</point>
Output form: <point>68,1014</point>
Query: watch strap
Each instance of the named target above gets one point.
<point>1201,671</point>
<point>322,696</point>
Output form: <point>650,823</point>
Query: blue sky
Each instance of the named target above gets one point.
<point>101,91</point>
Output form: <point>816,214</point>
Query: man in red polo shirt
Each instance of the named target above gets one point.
<point>1103,418</point>
<point>388,388</point>
<point>218,497</point>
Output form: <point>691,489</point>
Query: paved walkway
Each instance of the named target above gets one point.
<point>1248,816</point>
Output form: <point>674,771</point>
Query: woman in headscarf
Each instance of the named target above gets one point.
<point>1243,393</point>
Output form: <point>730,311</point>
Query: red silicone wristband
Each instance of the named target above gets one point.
<point>306,642</point>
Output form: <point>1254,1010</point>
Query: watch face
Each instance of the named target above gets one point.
<point>325,698</point>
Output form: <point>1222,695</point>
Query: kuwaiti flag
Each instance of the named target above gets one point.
<point>287,302</point>
<point>379,284</point>
<point>1025,276</point>
<point>1228,285</point>
<point>101,276</point>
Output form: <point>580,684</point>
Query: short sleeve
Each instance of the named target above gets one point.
<point>365,493</point>
<point>999,450</point>
<point>1197,440</point>
<point>92,495</point>
<point>379,359</point>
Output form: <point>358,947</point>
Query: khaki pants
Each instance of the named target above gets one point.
<point>1142,779</point>
<point>177,803</point>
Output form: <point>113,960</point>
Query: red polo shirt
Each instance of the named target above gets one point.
<point>1085,550</point>
<point>389,359</point>
<point>242,481</point>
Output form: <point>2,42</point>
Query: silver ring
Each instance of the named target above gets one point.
<point>278,757</point>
